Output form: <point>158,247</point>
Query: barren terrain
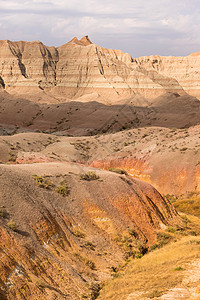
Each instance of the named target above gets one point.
<point>97,151</point>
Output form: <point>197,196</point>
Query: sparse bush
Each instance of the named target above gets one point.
<point>11,224</point>
<point>132,232</point>
<point>95,289</point>
<point>62,189</point>
<point>138,255</point>
<point>171,198</point>
<point>171,229</point>
<point>43,182</point>
<point>90,245</point>
<point>143,250</point>
<point>163,239</point>
<point>90,264</point>
<point>90,175</point>
<point>114,269</point>
<point>185,220</point>
<point>154,294</point>
<point>179,268</point>
<point>12,157</point>
<point>118,170</point>
<point>153,247</point>
<point>193,233</point>
<point>78,233</point>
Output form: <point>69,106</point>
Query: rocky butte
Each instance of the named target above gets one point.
<point>80,67</point>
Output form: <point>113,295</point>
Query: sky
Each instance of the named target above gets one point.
<point>142,27</point>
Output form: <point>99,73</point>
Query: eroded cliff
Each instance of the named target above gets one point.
<point>63,234</point>
<point>81,67</point>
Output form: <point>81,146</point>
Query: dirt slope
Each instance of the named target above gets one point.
<point>59,246</point>
<point>167,158</point>
<point>76,118</point>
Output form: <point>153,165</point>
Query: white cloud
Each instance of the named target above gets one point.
<point>139,27</point>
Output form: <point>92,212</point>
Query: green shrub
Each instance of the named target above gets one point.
<point>153,247</point>
<point>179,268</point>
<point>138,255</point>
<point>132,232</point>
<point>90,175</point>
<point>11,224</point>
<point>90,264</point>
<point>62,189</point>
<point>12,157</point>
<point>171,198</point>
<point>90,245</point>
<point>171,229</point>
<point>154,294</point>
<point>78,233</point>
<point>43,182</point>
<point>163,239</point>
<point>118,170</point>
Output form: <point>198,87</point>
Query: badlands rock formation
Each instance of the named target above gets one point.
<point>76,118</point>
<point>169,159</point>
<point>65,225</point>
<point>80,67</point>
<point>61,247</point>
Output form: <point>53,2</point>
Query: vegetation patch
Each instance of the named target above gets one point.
<point>118,170</point>
<point>154,273</point>
<point>171,198</point>
<point>90,246</point>
<point>189,206</point>
<point>12,225</point>
<point>90,175</point>
<point>43,182</point>
<point>62,189</point>
<point>13,157</point>
<point>89,263</point>
<point>163,239</point>
<point>78,233</point>
<point>154,294</point>
<point>179,268</point>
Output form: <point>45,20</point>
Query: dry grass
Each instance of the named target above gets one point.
<point>158,270</point>
<point>189,205</point>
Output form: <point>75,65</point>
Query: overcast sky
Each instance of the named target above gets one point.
<point>142,27</point>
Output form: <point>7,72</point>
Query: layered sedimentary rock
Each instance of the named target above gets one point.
<point>184,70</point>
<point>61,247</point>
<point>81,67</point>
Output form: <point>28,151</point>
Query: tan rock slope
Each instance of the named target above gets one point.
<point>81,68</point>
<point>76,118</point>
<point>169,159</point>
<point>60,247</point>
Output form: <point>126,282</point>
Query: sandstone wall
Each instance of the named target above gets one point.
<point>80,67</point>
